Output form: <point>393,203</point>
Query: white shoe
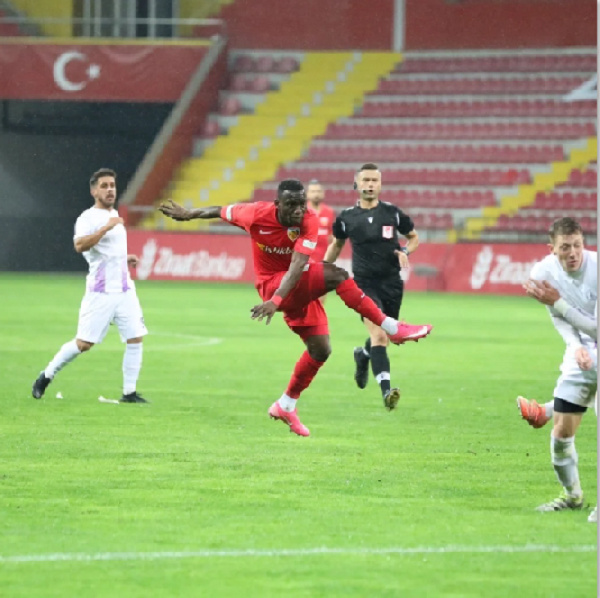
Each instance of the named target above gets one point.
<point>593,517</point>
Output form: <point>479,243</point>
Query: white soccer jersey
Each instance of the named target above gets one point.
<point>579,289</point>
<point>108,258</point>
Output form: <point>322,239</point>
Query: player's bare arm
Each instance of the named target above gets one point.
<point>88,241</point>
<point>334,250</point>
<point>177,212</point>
<point>133,260</point>
<point>288,282</point>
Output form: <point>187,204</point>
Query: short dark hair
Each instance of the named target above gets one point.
<point>100,173</point>
<point>314,182</point>
<point>368,166</point>
<point>293,185</point>
<point>564,226</point>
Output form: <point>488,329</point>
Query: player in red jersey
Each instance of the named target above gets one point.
<point>284,235</point>
<point>315,195</point>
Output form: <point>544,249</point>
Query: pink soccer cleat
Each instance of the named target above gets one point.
<point>408,332</point>
<point>290,418</point>
<point>532,412</point>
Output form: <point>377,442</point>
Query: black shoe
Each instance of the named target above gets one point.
<point>40,386</point>
<point>391,398</point>
<point>132,397</point>
<point>361,373</point>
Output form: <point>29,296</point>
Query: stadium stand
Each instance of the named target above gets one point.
<point>463,141</point>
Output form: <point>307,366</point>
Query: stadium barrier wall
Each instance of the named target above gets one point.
<point>470,24</point>
<point>428,24</point>
<point>468,268</point>
<point>310,24</point>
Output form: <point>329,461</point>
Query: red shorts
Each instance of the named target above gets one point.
<point>302,310</point>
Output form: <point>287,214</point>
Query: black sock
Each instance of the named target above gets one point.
<point>368,346</point>
<point>380,364</point>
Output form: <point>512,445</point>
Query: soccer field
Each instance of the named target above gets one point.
<point>201,494</point>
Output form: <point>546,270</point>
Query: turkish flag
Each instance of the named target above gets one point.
<point>97,72</point>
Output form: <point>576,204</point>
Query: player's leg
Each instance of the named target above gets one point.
<point>130,321</point>
<point>362,359</point>
<point>94,319</point>
<point>533,413</point>
<point>339,280</point>
<point>389,298</point>
<point>307,319</point>
<point>318,349</point>
<point>567,417</point>
<point>380,365</point>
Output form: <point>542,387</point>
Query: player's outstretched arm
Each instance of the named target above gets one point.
<point>177,212</point>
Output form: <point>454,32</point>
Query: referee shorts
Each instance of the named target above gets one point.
<point>387,293</point>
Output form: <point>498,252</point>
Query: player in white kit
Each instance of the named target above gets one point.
<point>110,293</point>
<point>572,271</point>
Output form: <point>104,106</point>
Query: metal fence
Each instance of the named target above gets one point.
<point>127,19</point>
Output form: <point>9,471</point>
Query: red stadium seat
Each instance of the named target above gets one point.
<point>244,63</point>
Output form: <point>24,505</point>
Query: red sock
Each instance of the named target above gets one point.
<point>305,370</point>
<point>354,298</point>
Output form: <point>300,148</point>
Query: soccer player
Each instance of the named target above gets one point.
<point>533,413</point>
<point>373,227</point>
<point>315,195</point>
<point>572,270</point>
<point>110,293</point>
<point>284,235</point>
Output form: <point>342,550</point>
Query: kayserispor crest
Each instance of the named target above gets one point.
<point>293,233</point>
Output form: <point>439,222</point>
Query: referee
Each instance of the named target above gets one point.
<point>373,227</point>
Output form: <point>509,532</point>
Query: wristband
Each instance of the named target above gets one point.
<point>405,250</point>
<point>276,299</point>
<point>561,306</point>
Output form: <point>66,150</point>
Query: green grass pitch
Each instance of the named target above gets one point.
<point>201,494</point>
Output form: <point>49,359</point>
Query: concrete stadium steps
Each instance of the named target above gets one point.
<point>526,195</point>
<point>437,129</point>
<point>327,87</point>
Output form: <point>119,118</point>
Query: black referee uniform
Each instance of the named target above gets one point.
<point>374,236</point>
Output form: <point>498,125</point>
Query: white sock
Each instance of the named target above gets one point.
<point>549,407</point>
<point>565,459</point>
<point>287,403</point>
<point>390,325</point>
<point>67,353</point>
<point>132,364</point>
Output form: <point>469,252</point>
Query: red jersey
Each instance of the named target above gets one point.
<point>326,219</point>
<point>272,243</point>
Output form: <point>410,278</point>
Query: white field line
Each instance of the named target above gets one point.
<point>189,341</point>
<point>297,552</point>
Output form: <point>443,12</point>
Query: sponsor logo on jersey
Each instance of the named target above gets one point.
<point>275,250</point>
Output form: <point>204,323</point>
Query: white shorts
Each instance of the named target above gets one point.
<point>576,385</point>
<point>99,310</point>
